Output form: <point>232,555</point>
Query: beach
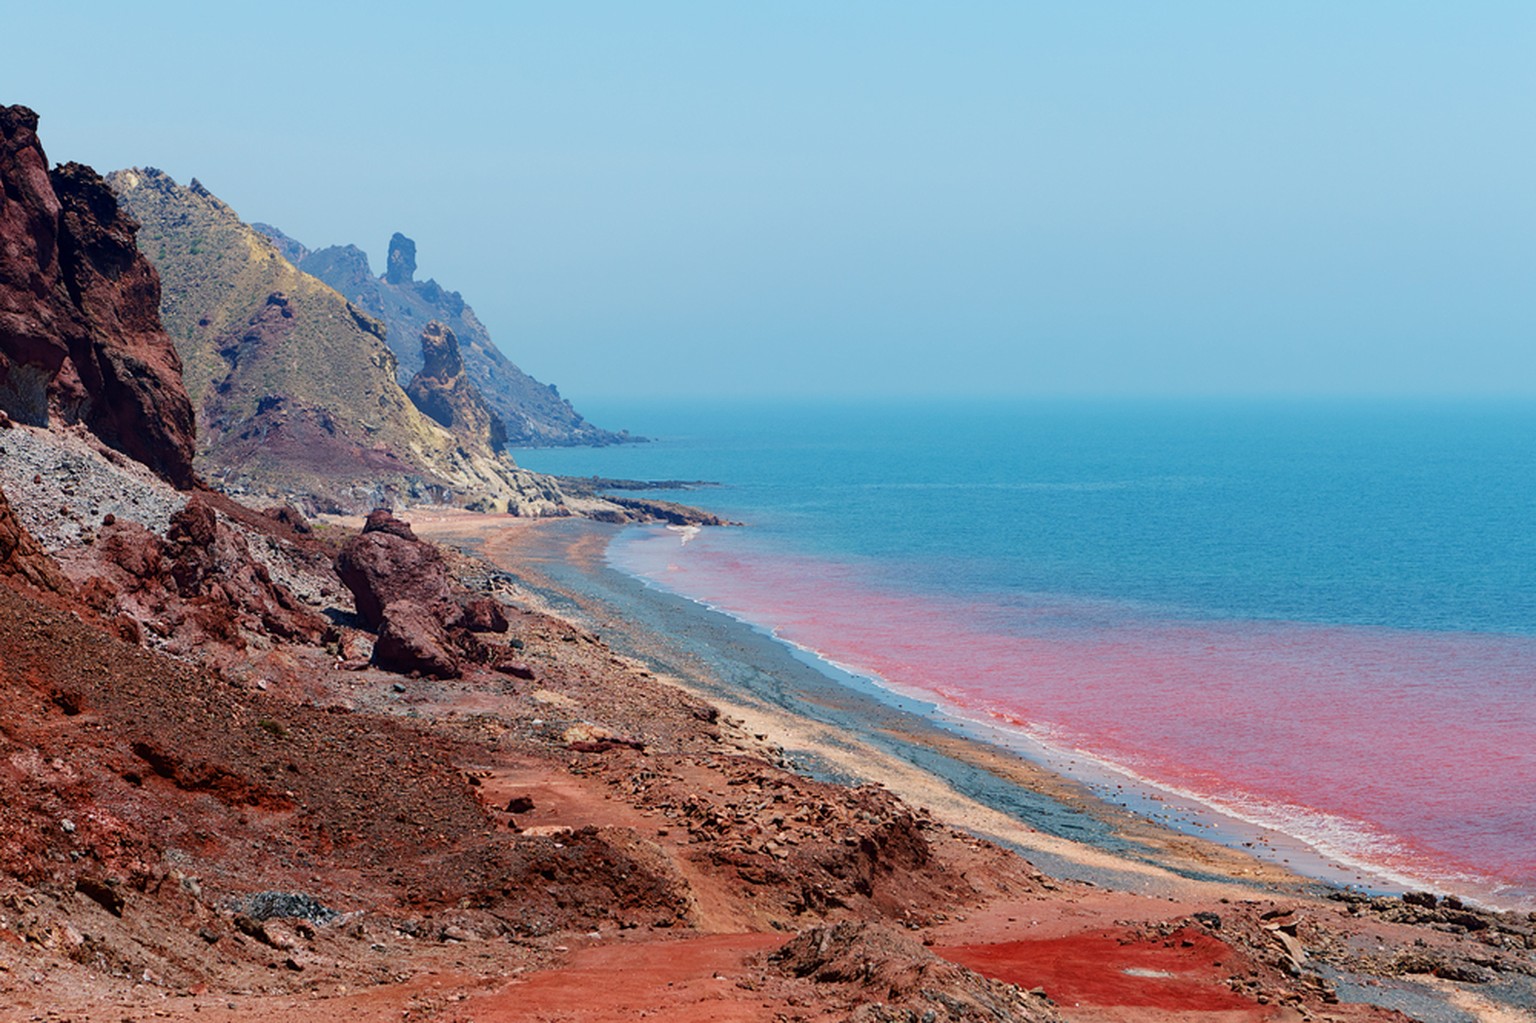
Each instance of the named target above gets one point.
<point>832,730</point>
<point>1106,865</point>
<point>1299,630</point>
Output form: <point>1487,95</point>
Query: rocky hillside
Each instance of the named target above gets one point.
<point>295,387</point>
<point>80,335</point>
<point>534,413</point>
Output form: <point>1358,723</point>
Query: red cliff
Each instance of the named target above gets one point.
<point>80,334</point>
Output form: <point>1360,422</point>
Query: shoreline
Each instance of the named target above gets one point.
<point>1008,779</point>
<point>853,730</point>
<point>1102,873</point>
<point>1331,850</point>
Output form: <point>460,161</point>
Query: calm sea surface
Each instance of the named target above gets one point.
<point>1317,617</point>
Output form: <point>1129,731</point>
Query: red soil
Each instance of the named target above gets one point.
<point>1184,971</point>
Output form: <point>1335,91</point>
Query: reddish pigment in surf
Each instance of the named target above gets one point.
<point>1414,752</point>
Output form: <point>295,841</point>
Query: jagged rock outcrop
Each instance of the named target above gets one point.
<point>400,268</point>
<point>402,588</point>
<point>296,388</point>
<point>80,333</point>
<point>533,413</point>
<point>442,391</point>
<point>197,585</point>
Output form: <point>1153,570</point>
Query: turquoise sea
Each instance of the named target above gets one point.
<point>1317,617</point>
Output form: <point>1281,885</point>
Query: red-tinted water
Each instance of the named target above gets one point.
<point>1414,752</point>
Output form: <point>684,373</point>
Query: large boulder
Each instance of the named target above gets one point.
<point>401,586</point>
<point>385,563</point>
<point>80,333</point>
<point>412,639</point>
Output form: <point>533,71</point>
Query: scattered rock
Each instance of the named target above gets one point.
<point>893,977</point>
<point>292,905</point>
<point>103,893</point>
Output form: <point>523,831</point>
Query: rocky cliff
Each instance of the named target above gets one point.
<point>534,413</point>
<point>295,386</point>
<point>80,335</point>
<point>444,393</point>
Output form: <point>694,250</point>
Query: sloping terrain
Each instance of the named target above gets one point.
<point>268,826</point>
<point>295,388</point>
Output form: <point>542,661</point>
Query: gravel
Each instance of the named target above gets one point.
<point>62,484</point>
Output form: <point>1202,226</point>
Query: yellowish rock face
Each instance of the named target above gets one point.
<point>295,388</point>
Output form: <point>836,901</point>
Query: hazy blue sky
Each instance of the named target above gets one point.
<point>882,198</point>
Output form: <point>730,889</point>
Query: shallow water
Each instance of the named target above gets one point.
<point>1318,618</point>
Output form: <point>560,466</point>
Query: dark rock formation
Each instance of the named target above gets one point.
<point>382,566</point>
<point>80,333</point>
<point>443,393</point>
<point>412,639</point>
<point>440,354</point>
<point>401,586</point>
<point>401,268</point>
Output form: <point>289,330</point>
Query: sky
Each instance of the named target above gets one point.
<point>870,199</point>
